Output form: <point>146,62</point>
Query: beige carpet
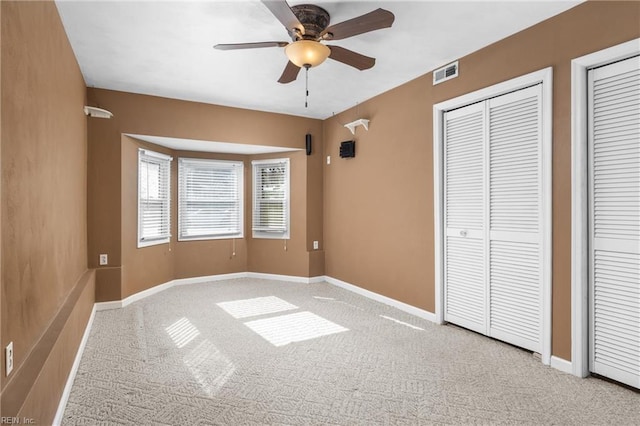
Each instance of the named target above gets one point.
<point>248,351</point>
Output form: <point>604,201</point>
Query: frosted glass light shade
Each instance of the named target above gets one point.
<point>307,52</point>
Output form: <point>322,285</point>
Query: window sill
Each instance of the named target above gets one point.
<point>142,244</point>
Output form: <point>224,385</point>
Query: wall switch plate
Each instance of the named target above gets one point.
<point>8,357</point>
<point>315,245</point>
<point>328,159</point>
<point>104,259</point>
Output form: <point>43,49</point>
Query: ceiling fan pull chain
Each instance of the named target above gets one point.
<point>306,87</point>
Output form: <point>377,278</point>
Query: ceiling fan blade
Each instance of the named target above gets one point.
<point>290,73</point>
<point>378,19</point>
<point>237,46</point>
<point>351,58</point>
<point>284,14</point>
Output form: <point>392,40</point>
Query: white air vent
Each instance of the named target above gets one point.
<point>445,73</point>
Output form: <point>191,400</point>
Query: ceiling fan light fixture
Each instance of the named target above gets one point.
<point>307,53</point>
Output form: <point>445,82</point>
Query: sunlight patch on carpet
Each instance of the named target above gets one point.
<point>182,332</point>
<point>209,367</point>
<point>257,306</point>
<point>402,322</point>
<point>298,327</point>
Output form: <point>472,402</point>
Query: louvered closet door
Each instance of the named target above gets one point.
<point>515,227</point>
<point>465,287</point>
<point>493,217</point>
<point>614,178</point>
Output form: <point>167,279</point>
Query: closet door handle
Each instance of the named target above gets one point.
<point>463,233</point>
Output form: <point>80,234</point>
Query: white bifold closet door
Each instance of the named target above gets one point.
<point>493,217</point>
<point>614,208</point>
<point>465,285</point>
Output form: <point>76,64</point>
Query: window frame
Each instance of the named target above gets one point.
<point>164,163</point>
<point>255,166</point>
<point>239,199</point>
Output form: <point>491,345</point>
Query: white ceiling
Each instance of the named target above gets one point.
<point>166,48</point>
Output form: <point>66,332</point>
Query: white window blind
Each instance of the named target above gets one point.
<point>271,198</point>
<point>210,194</point>
<point>154,198</point>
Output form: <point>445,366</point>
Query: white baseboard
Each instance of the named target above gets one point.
<point>209,278</point>
<point>57,420</point>
<point>105,306</point>
<point>289,278</point>
<point>383,299</point>
<point>561,364</point>
<point>146,293</point>
<point>258,275</point>
<point>101,306</point>
<point>557,363</point>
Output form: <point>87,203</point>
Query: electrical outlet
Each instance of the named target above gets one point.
<point>104,259</point>
<point>328,159</point>
<point>315,245</point>
<point>8,357</point>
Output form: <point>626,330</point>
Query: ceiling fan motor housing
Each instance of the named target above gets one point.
<point>313,18</point>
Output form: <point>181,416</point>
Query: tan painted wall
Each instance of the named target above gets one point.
<point>285,257</point>
<point>315,208</point>
<point>149,266</point>
<point>112,192</point>
<point>43,397</point>
<point>43,190</point>
<point>378,207</point>
<point>43,171</point>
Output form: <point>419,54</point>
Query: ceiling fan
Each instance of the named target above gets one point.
<point>308,26</point>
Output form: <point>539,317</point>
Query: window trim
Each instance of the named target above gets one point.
<point>164,161</point>
<point>265,234</point>
<point>224,164</point>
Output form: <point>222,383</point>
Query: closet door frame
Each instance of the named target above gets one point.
<point>543,76</point>
<point>579,364</point>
